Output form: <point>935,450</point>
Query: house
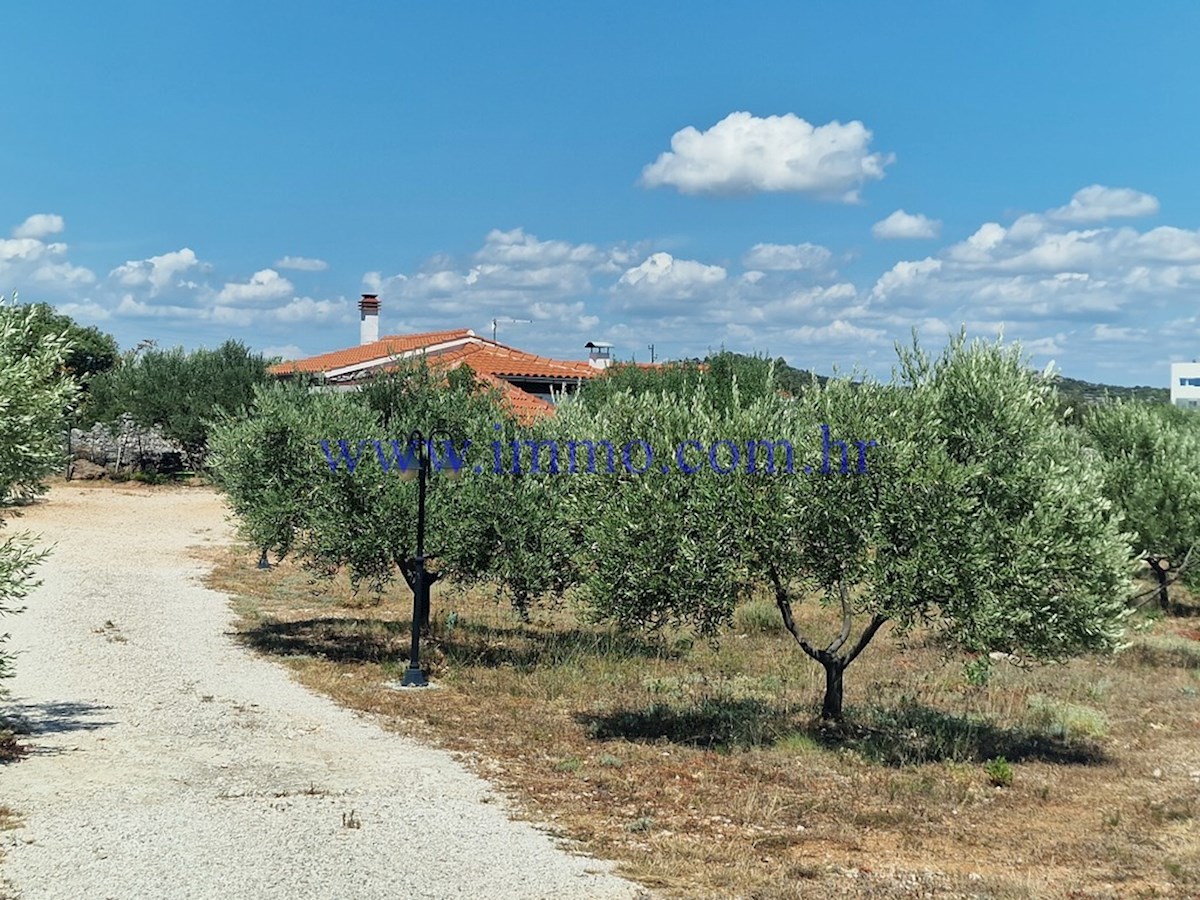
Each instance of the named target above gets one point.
<point>529,384</point>
<point>1185,384</point>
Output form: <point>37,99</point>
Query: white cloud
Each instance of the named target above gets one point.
<point>24,250</point>
<point>515,247</point>
<point>40,225</point>
<point>904,276</point>
<point>787,257</point>
<point>837,330</point>
<point>513,274</point>
<point>663,275</point>
<point>158,271</point>
<point>266,284</point>
<point>302,264</point>
<point>304,310</point>
<point>133,308</point>
<point>63,274</point>
<point>745,154</point>
<point>86,310</point>
<point>901,225</point>
<point>30,260</point>
<point>1097,203</point>
<point>285,352</point>
<point>1062,282</point>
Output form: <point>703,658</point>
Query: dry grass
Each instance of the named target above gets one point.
<point>702,771</point>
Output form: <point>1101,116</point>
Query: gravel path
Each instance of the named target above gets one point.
<point>169,762</point>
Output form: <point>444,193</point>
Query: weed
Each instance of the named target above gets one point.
<point>640,825</point>
<point>1174,809</point>
<point>999,772</point>
<point>757,616</point>
<point>351,820</point>
<point>798,742</point>
<point>111,632</point>
<point>1065,720</point>
<point>568,765</point>
<point>614,762</point>
<point>1165,651</point>
<point>10,748</point>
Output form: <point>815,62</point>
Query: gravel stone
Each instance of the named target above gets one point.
<point>169,762</point>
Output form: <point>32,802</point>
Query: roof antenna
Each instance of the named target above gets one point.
<point>508,321</point>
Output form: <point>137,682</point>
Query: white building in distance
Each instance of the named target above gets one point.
<point>1185,384</point>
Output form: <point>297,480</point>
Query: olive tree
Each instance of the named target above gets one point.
<point>35,394</point>
<point>954,498</point>
<point>322,475</point>
<point>978,515</point>
<point>1151,463</point>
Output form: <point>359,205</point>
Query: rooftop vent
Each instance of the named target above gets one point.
<point>599,354</point>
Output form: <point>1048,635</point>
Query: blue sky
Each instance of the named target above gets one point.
<point>810,180</point>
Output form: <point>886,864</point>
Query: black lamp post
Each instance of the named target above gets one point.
<point>419,578</point>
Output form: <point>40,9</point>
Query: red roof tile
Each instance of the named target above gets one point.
<point>487,358</point>
<point>524,406</point>
<point>491,361</point>
<point>390,345</point>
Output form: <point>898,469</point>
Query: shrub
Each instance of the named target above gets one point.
<point>999,772</point>
<point>1067,721</point>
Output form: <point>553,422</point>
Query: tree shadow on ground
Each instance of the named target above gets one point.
<point>25,721</point>
<point>360,640</point>
<point>911,734</point>
<point>710,724</point>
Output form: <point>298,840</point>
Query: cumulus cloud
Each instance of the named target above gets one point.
<point>25,250</point>
<point>27,259</point>
<point>156,272</point>
<point>901,225</point>
<point>787,257</point>
<point>302,264</point>
<point>514,274</point>
<point>515,247</point>
<point>63,274</point>
<point>85,310</point>
<point>285,352</point>
<point>744,154</point>
<point>39,225</point>
<point>1061,282</point>
<point>266,284</point>
<point>302,310</point>
<point>1097,203</point>
<point>663,275</point>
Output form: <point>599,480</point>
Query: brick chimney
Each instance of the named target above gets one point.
<point>368,311</point>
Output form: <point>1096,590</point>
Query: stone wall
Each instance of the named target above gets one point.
<point>124,447</point>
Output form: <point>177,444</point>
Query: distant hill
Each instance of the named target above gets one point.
<point>1080,392</point>
<point>1073,391</point>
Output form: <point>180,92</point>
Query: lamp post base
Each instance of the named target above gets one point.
<point>414,677</point>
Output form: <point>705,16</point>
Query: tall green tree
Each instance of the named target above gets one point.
<point>1151,461</point>
<point>35,394</point>
<point>321,475</point>
<point>90,350</point>
<point>178,390</point>
<point>968,507</point>
<point>978,515</point>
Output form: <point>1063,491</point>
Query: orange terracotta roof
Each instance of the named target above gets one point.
<point>389,345</point>
<point>492,362</point>
<point>487,358</point>
<point>524,406</point>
